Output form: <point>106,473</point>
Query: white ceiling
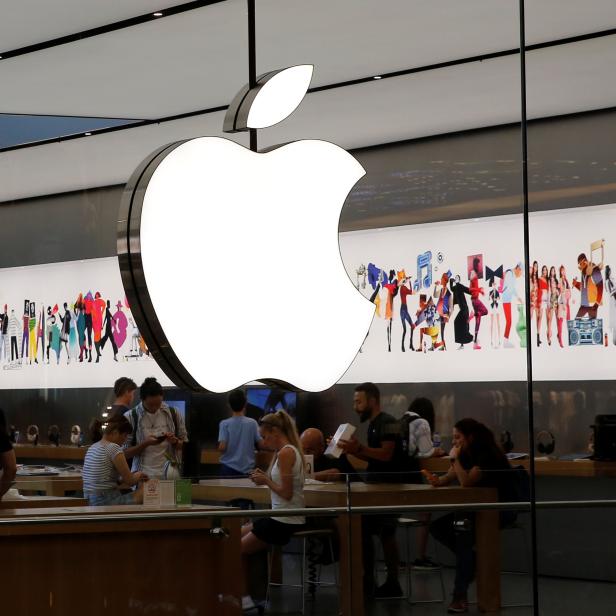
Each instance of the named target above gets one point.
<point>27,22</point>
<point>198,60</point>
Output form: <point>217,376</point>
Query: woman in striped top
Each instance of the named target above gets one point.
<point>105,469</point>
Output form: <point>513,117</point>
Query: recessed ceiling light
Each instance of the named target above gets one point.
<point>377,77</point>
<point>159,14</point>
<point>87,134</point>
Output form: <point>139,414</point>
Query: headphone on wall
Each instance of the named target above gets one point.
<point>506,441</point>
<point>546,442</point>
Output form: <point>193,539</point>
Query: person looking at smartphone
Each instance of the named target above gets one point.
<point>476,460</point>
<point>158,431</point>
<point>105,469</point>
<point>285,480</point>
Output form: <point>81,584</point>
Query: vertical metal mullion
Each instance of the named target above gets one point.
<point>529,351</point>
<point>252,62</point>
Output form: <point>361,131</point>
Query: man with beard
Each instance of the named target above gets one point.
<point>386,463</point>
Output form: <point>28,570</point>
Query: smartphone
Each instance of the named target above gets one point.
<point>161,438</point>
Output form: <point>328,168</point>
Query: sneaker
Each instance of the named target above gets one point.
<point>425,564</point>
<point>458,606</point>
<point>390,590</point>
<point>248,604</point>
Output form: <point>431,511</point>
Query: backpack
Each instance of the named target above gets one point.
<point>406,420</point>
<point>517,487</point>
<point>135,418</point>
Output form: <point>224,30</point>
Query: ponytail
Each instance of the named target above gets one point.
<point>282,420</point>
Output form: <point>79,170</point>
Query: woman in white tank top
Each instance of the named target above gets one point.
<point>285,479</point>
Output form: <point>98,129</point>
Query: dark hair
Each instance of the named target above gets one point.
<point>581,257</point>
<point>237,400</point>
<point>424,408</point>
<point>123,385</point>
<point>371,391</point>
<point>117,422</point>
<point>481,446</point>
<point>150,387</point>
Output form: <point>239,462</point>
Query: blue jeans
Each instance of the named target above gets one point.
<point>109,497</point>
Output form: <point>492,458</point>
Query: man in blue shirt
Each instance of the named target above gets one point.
<point>238,436</point>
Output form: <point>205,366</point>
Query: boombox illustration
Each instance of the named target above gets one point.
<point>585,331</point>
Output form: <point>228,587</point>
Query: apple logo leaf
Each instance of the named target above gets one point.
<point>275,97</point>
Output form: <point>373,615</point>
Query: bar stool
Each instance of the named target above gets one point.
<point>307,537</point>
<point>408,524</point>
<point>520,528</point>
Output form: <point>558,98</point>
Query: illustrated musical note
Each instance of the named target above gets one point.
<point>424,262</point>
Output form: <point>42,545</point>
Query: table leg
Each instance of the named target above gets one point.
<point>351,565</point>
<point>488,561</point>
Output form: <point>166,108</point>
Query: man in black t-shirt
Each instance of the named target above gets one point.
<point>326,469</point>
<point>385,458</point>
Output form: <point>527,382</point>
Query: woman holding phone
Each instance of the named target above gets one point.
<point>476,460</point>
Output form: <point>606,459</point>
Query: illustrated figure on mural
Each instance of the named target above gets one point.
<point>25,332</point>
<point>462,334</point>
<point>552,307</point>
<point>495,299</point>
<point>108,326</point>
<point>391,286</point>
<point>406,289</point>
<point>80,325</point>
<point>119,325</point>
<point>442,294</point>
<point>543,288</point>
<point>428,314</point>
<point>564,299</point>
<point>65,332</point>
<point>40,332</point>
<point>610,284</point>
<point>32,334</point>
<point>88,302</point>
<point>4,328</point>
<point>98,310</point>
<point>13,334</point>
<point>590,284</point>
<point>534,289</point>
<point>479,309</point>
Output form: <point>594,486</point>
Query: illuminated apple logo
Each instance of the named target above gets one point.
<point>230,258</point>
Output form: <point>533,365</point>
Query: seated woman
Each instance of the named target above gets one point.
<point>285,479</point>
<point>476,460</point>
<point>105,470</point>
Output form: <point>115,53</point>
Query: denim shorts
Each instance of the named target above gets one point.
<point>109,497</point>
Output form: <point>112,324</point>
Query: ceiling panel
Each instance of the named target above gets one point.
<point>565,79</point>
<point>27,22</point>
<point>198,59</point>
<point>180,63</point>
<point>99,160</point>
<point>348,39</point>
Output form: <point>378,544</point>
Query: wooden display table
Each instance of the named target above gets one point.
<point>365,495</point>
<point>158,567</point>
<point>31,502</point>
<point>543,467</point>
<point>49,452</point>
<point>50,485</point>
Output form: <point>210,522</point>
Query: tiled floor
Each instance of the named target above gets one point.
<point>558,597</point>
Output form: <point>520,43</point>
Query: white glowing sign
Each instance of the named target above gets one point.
<point>228,239</point>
